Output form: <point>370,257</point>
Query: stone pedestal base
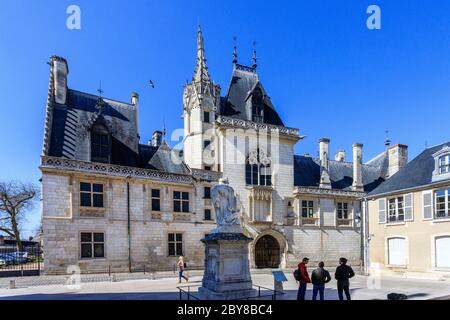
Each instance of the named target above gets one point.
<point>227,271</point>
<point>206,294</point>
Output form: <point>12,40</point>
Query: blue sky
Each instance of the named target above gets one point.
<point>326,73</point>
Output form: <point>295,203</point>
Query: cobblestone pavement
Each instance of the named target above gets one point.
<point>163,286</point>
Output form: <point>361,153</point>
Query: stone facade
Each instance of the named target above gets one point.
<point>299,205</point>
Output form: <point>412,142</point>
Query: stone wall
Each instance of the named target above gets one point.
<point>63,223</point>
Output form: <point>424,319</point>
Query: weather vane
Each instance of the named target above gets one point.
<point>235,50</point>
<point>387,141</point>
<point>99,90</point>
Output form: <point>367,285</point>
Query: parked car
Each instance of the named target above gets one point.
<point>7,258</point>
<point>19,257</point>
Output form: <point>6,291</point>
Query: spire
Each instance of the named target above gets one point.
<point>201,71</point>
<point>235,57</point>
<point>255,58</point>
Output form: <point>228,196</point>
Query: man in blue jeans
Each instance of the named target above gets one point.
<point>319,277</point>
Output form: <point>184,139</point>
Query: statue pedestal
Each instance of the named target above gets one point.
<point>227,271</point>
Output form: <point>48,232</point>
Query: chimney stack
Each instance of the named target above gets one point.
<point>135,103</point>
<point>398,158</point>
<point>157,139</point>
<point>340,156</point>
<point>357,167</point>
<point>60,73</point>
<point>324,153</point>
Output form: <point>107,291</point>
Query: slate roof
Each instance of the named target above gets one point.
<point>416,173</point>
<point>307,173</point>
<point>72,121</point>
<point>243,81</point>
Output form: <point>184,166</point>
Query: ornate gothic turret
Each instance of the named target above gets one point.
<point>201,101</point>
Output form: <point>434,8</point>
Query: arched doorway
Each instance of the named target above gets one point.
<point>267,252</point>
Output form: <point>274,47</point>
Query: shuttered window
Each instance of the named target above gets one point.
<point>427,205</point>
<point>408,207</point>
<point>442,200</point>
<point>443,252</point>
<point>382,211</point>
<point>396,210</point>
<point>397,251</point>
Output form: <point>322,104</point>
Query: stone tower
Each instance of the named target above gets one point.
<point>201,101</point>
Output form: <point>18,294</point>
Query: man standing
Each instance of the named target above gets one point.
<point>319,277</point>
<point>304,279</point>
<point>343,274</point>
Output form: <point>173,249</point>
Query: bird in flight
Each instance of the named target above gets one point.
<point>152,84</point>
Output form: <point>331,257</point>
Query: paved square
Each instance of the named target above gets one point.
<point>164,287</point>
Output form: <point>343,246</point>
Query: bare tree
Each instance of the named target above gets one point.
<point>16,199</point>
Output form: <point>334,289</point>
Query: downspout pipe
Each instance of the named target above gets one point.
<point>365,238</point>
<point>129,223</point>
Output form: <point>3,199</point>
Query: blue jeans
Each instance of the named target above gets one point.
<point>301,291</point>
<point>180,275</point>
<point>318,288</point>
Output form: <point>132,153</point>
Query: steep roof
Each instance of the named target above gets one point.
<point>71,122</point>
<point>307,174</point>
<point>416,173</point>
<point>164,159</point>
<point>244,81</point>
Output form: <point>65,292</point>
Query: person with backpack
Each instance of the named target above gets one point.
<point>181,268</point>
<point>303,278</point>
<point>342,275</point>
<point>319,278</point>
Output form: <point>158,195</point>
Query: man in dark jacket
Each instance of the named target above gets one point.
<point>343,274</point>
<point>319,277</point>
<point>304,279</point>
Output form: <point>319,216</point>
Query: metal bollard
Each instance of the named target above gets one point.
<point>12,284</point>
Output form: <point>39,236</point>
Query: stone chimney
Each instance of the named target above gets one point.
<point>324,154</point>
<point>157,138</point>
<point>60,73</point>
<point>398,158</point>
<point>135,103</point>
<point>357,167</point>
<point>340,156</point>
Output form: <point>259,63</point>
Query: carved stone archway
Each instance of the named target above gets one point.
<point>275,245</point>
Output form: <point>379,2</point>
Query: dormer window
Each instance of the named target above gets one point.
<point>257,106</point>
<point>100,144</point>
<point>441,164</point>
<point>444,164</point>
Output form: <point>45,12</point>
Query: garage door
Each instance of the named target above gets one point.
<point>443,252</point>
<point>397,251</point>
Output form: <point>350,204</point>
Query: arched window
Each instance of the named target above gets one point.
<point>397,251</point>
<point>100,144</point>
<point>257,170</point>
<point>257,105</point>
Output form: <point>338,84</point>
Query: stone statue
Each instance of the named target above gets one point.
<point>227,268</point>
<point>226,208</point>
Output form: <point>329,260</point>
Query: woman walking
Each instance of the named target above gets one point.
<point>181,267</point>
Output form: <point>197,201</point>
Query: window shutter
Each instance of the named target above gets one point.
<point>382,211</point>
<point>409,211</point>
<point>357,213</point>
<point>427,204</point>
